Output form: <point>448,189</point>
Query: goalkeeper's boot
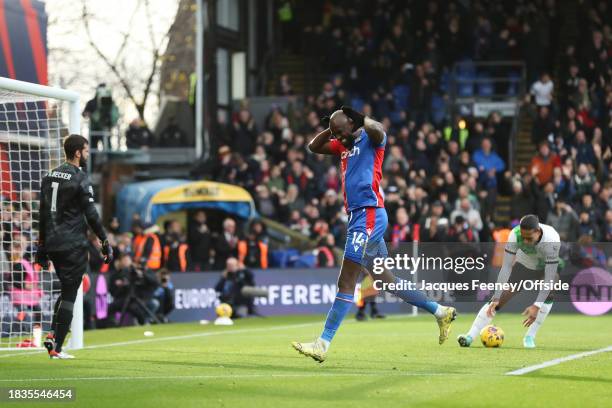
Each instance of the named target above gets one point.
<point>49,342</point>
<point>464,340</point>
<point>445,322</point>
<point>529,342</point>
<point>316,350</point>
<point>62,355</point>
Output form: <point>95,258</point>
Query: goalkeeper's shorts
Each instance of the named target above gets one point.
<point>70,266</point>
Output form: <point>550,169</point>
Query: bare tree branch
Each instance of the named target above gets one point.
<point>135,81</point>
<point>126,34</point>
<point>106,60</point>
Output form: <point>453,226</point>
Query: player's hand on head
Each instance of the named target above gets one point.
<point>325,121</point>
<point>357,118</point>
<point>107,251</point>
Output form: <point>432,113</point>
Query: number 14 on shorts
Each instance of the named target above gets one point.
<point>358,240</point>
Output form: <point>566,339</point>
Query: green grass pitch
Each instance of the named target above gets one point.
<point>395,362</point>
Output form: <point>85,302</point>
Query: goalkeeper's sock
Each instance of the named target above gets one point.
<point>64,318</point>
<point>535,326</point>
<point>341,306</point>
<point>480,322</point>
<point>416,298</point>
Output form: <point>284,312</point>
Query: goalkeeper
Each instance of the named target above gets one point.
<point>66,208</point>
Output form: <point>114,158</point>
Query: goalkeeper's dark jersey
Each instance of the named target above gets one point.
<point>66,207</point>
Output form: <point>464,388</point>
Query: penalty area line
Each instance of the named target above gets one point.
<point>556,361</point>
<point>194,335</point>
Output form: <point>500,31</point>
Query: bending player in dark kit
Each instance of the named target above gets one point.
<point>66,209</point>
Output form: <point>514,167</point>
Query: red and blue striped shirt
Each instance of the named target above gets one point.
<point>361,169</point>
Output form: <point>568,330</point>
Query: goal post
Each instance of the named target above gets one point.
<point>34,119</point>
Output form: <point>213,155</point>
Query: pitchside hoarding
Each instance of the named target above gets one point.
<point>464,275</point>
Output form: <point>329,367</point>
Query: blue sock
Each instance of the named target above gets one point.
<point>336,314</point>
<point>416,298</point>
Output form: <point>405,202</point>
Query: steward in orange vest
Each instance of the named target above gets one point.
<point>176,256</point>
<point>253,252</point>
<point>147,248</point>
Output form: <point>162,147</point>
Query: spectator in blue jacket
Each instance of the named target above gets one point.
<point>489,164</point>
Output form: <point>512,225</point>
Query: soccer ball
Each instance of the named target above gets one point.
<point>224,310</point>
<point>492,336</point>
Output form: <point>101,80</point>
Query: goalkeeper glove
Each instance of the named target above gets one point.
<point>107,251</point>
<point>357,118</point>
<point>41,257</point>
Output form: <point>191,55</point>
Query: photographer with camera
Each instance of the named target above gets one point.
<point>230,288</point>
<point>164,294</point>
<point>132,288</point>
<point>103,115</point>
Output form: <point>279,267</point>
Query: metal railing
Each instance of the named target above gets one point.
<point>473,80</point>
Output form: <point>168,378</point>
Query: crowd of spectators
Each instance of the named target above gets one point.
<point>442,177</point>
<point>445,177</point>
<point>375,45</point>
<point>441,180</point>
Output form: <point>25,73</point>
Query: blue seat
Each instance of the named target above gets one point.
<point>466,68</point>
<point>357,104</point>
<point>305,261</point>
<point>464,82</point>
<point>484,88</point>
<point>400,95</point>
<point>444,82</point>
<point>514,79</point>
<point>282,258</point>
<point>396,118</point>
<point>465,89</point>
<point>438,109</point>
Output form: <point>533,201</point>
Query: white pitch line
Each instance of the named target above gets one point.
<point>230,376</point>
<point>188,336</point>
<point>181,337</point>
<point>556,361</point>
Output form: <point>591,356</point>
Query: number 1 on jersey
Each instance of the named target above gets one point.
<point>55,187</point>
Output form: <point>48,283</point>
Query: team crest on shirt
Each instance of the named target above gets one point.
<point>350,153</point>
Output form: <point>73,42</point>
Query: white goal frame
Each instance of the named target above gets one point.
<point>74,127</point>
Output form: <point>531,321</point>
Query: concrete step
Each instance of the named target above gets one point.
<point>501,216</point>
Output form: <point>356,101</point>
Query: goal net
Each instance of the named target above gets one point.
<point>34,120</point>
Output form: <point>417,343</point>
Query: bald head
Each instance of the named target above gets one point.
<point>338,118</point>
<point>342,128</point>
